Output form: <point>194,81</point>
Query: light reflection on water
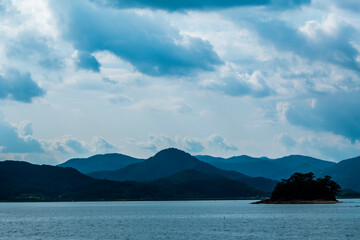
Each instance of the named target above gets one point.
<point>178,220</point>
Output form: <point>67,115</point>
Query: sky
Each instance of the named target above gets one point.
<point>223,78</point>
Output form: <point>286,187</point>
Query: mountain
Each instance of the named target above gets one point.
<point>25,181</point>
<point>101,162</point>
<point>303,163</point>
<point>269,168</point>
<point>171,161</point>
<point>346,173</point>
<point>22,181</point>
<point>198,185</point>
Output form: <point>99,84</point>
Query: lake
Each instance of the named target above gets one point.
<point>178,220</point>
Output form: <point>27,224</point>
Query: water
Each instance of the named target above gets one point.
<point>178,220</point>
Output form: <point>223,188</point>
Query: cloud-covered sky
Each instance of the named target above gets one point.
<point>262,78</point>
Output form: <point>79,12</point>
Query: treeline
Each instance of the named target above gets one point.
<point>305,187</point>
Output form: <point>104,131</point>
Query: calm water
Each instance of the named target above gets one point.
<point>178,220</point>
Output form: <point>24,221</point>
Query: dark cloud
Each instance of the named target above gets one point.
<point>181,5</point>
<point>11,142</point>
<point>337,113</point>
<point>87,61</point>
<point>19,87</point>
<point>149,44</point>
<point>335,48</point>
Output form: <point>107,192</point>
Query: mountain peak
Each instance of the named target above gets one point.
<point>171,152</point>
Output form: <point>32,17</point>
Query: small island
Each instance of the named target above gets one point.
<point>304,189</point>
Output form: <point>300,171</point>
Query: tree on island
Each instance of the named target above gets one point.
<point>305,187</point>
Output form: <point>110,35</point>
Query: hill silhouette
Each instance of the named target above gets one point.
<point>269,168</point>
<point>100,162</point>
<point>193,184</point>
<point>346,173</point>
<point>22,181</point>
<point>171,161</point>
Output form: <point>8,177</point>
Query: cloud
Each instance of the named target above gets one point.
<point>147,42</point>
<point>193,145</point>
<point>156,143</point>
<point>240,84</point>
<point>181,5</point>
<point>19,86</point>
<point>65,145</point>
<point>219,142</point>
<point>12,142</point>
<point>32,47</point>
<point>25,129</point>
<point>159,142</point>
<point>338,113</point>
<point>285,140</point>
<point>352,5</point>
<point>101,145</point>
<point>330,41</point>
<point>173,105</point>
<point>87,61</point>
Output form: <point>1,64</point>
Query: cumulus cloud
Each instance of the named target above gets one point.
<point>337,113</point>
<point>25,129</point>
<point>156,143</point>
<point>19,86</point>
<point>219,142</point>
<point>13,142</point>
<point>150,45</point>
<point>240,84</point>
<point>329,41</point>
<point>65,145</point>
<point>180,5</point>
<point>101,145</point>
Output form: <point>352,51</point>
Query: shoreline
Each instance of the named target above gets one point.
<point>269,201</point>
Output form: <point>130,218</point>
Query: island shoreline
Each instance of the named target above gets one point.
<point>269,201</point>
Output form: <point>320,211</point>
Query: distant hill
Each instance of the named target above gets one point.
<point>25,181</point>
<point>198,185</point>
<point>101,162</point>
<point>171,161</point>
<point>346,173</point>
<point>22,181</point>
<point>269,168</point>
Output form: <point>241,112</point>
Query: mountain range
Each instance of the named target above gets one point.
<point>345,172</point>
<point>170,174</point>
<point>171,161</point>
<point>276,169</point>
<point>22,181</point>
<point>101,162</point>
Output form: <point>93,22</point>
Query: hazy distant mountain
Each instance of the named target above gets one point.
<point>346,173</point>
<point>303,163</point>
<point>269,168</point>
<point>171,161</point>
<point>101,162</point>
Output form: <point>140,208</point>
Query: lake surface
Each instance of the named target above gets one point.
<point>178,220</point>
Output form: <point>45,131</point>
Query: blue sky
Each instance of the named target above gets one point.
<point>262,78</point>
